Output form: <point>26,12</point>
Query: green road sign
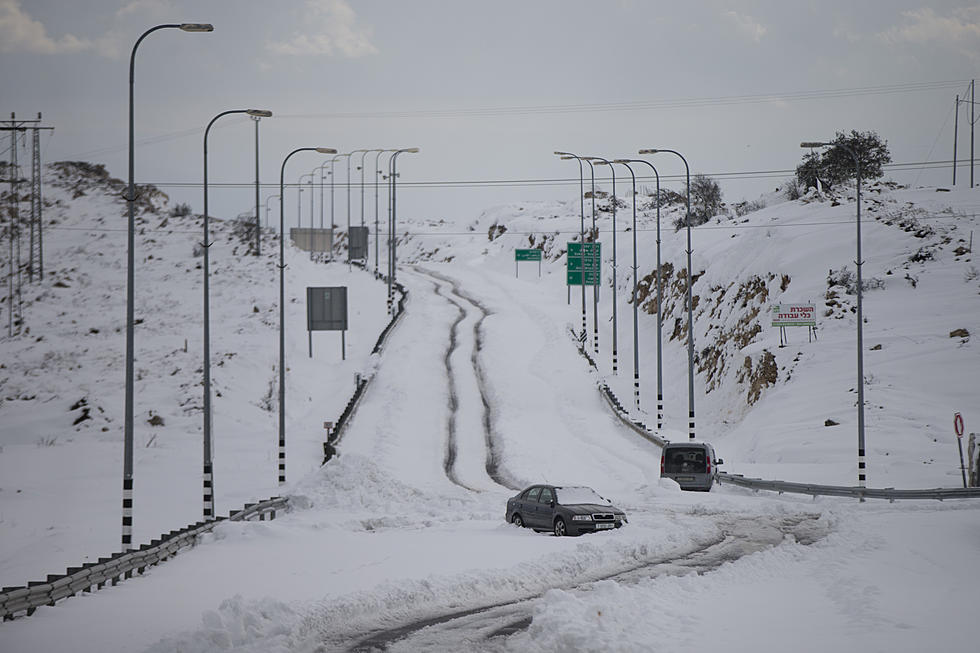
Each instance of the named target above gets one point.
<point>583,259</point>
<point>527,254</point>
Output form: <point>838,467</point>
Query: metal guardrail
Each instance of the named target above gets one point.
<point>891,494</point>
<point>119,566</point>
<point>862,493</point>
<point>638,427</point>
<point>335,435</point>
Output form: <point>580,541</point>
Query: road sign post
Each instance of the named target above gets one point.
<point>527,255</point>
<point>583,264</point>
<point>958,427</point>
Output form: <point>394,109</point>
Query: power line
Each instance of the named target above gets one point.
<point>546,109</point>
<point>559,181</point>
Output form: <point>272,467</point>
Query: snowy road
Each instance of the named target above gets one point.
<point>478,629</point>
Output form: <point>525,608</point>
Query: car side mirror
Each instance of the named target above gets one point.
<point>552,503</point>
<point>719,462</point>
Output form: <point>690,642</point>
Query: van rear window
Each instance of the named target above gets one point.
<point>679,460</point>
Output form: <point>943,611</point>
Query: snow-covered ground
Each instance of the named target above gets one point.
<point>480,391</point>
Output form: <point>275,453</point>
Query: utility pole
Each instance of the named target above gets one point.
<point>973,121</point>
<point>956,129</point>
<point>15,264</point>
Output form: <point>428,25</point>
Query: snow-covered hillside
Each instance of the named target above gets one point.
<point>769,406</point>
<point>401,540</point>
<point>62,377</point>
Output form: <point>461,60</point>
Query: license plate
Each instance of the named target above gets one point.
<point>685,479</point>
<point>600,527</point>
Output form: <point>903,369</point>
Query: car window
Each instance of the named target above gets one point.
<point>685,459</point>
<point>532,494</point>
<point>547,496</point>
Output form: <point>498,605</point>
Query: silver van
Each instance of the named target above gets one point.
<point>692,464</point>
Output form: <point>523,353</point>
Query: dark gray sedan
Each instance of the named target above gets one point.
<point>563,510</point>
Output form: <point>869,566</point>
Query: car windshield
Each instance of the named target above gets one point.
<point>568,496</point>
<point>685,459</point>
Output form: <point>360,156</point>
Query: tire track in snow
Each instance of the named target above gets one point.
<point>493,465</point>
<point>468,629</point>
<point>449,459</point>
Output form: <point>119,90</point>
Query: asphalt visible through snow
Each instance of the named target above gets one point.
<point>483,628</point>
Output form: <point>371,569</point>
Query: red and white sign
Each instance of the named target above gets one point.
<point>958,425</point>
<point>784,315</point>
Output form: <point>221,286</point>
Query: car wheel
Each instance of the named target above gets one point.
<point>517,521</point>
<point>560,530</point>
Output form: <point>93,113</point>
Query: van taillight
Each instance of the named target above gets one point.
<point>707,463</point>
<point>663,456</point>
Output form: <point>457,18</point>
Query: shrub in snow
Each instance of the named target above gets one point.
<point>835,165</point>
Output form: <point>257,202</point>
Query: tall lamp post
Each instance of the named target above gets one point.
<point>258,228</point>
<point>206,244</point>
<point>267,208</point>
<point>615,337</point>
<point>660,367</point>
<point>595,288</point>
<point>690,282</point>
<point>581,197</point>
<point>393,173</point>
<point>333,224</point>
<point>377,233</point>
<point>282,308</point>
<point>860,313</point>
<point>127,502</point>
<point>349,157</point>
<point>636,339</point>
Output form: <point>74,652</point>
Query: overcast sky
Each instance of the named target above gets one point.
<point>487,90</point>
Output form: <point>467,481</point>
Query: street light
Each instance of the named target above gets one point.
<point>333,224</point>
<point>595,288</point>
<point>349,157</point>
<point>660,367</point>
<point>299,185</point>
<point>860,313</point>
<point>377,233</point>
<point>615,354</point>
<point>282,307</point>
<point>393,165</point>
<point>267,209</point>
<point>206,244</point>
<point>256,116</point>
<point>636,339</point>
<point>581,184</point>
<point>127,502</point>
<point>690,282</point>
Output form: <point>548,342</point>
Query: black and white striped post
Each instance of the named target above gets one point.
<point>660,367</point>
<point>862,477</point>
<point>615,325</point>
<point>282,305</point>
<point>127,501</point>
<point>636,337</point>
<point>581,197</point>
<point>690,283</point>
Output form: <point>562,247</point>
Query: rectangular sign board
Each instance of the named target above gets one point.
<point>583,260</point>
<point>527,254</point>
<point>326,308</point>
<point>785,315</point>
<point>359,243</point>
<point>311,240</point>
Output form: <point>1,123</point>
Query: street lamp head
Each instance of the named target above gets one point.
<point>568,158</point>
<point>326,150</point>
<point>563,154</point>
<point>259,113</point>
<point>411,150</point>
<point>603,162</point>
<point>622,161</point>
<point>649,151</point>
<point>811,144</point>
<point>197,27</point>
